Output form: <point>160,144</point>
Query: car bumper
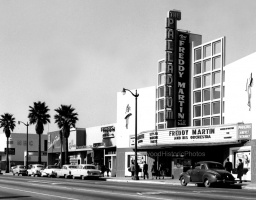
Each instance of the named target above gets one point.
<point>226,181</point>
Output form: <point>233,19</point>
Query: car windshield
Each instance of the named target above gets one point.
<point>215,166</point>
<point>22,167</point>
<point>89,167</point>
<point>72,167</point>
<point>53,166</point>
<point>40,166</point>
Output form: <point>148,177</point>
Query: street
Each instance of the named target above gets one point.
<point>23,188</point>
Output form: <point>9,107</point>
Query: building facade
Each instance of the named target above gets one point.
<point>18,149</point>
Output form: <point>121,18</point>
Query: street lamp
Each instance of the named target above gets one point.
<point>26,124</point>
<point>136,177</point>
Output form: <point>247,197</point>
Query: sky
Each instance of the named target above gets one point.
<point>82,52</point>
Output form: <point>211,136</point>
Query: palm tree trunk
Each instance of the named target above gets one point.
<point>61,162</point>
<point>7,156</point>
<point>39,149</point>
<point>66,151</point>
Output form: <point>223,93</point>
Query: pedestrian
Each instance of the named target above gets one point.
<point>145,170</point>
<point>132,169</point>
<point>103,169</point>
<point>228,166</point>
<point>161,171</point>
<point>240,169</point>
<point>137,169</point>
<point>108,170</point>
<point>154,170</point>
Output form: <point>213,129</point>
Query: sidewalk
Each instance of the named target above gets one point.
<point>166,180</point>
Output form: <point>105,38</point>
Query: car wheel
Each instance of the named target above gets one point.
<point>83,177</point>
<point>13,174</point>
<point>207,183</point>
<point>19,174</point>
<point>66,176</point>
<point>182,181</point>
<point>73,177</point>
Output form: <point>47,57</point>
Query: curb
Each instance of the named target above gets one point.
<point>143,182</point>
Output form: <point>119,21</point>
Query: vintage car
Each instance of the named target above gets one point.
<point>19,170</point>
<point>207,173</point>
<point>35,169</point>
<point>65,171</point>
<point>85,171</point>
<point>49,171</point>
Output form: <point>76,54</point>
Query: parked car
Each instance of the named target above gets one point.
<point>85,171</point>
<point>65,171</point>
<point>35,169</point>
<point>49,171</point>
<point>19,170</point>
<point>207,173</point>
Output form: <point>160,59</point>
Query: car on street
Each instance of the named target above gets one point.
<point>65,171</point>
<point>19,170</point>
<point>207,173</point>
<point>85,171</point>
<point>35,169</point>
<point>49,171</point>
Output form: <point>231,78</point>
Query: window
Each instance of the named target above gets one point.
<point>197,96</point>
<point>198,54</point>
<point>217,47</point>
<point>160,117</point>
<point>197,68</point>
<point>207,50</point>
<point>206,94</point>
<point>45,145</point>
<point>197,111</point>
<point>206,121</point>
<point>216,92</point>
<point>215,107</point>
<point>215,120</point>
<point>216,63</point>
<point>160,104</point>
<point>197,82</point>
<point>206,109</point>
<point>160,92</point>
<point>160,126</point>
<point>207,65</point>
<point>216,78</point>
<point>206,80</point>
<point>197,122</point>
<point>161,67</point>
<point>161,79</point>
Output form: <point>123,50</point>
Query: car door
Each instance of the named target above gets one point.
<point>201,173</point>
<point>195,172</point>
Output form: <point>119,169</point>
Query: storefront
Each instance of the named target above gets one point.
<point>105,151</point>
<point>178,149</point>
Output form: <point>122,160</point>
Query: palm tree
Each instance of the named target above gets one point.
<point>7,122</point>
<point>38,114</point>
<point>66,119</point>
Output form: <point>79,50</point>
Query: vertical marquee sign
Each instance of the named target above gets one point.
<point>182,94</point>
<point>177,73</point>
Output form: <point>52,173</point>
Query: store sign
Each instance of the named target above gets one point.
<point>244,131</point>
<point>107,132</point>
<point>11,151</point>
<point>211,134</point>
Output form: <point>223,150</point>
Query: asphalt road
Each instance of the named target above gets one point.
<point>25,188</point>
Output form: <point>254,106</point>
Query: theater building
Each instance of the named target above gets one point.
<point>200,109</point>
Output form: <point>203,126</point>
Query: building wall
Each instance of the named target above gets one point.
<point>145,121</point>
<point>236,97</point>
<point>145,114</point>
